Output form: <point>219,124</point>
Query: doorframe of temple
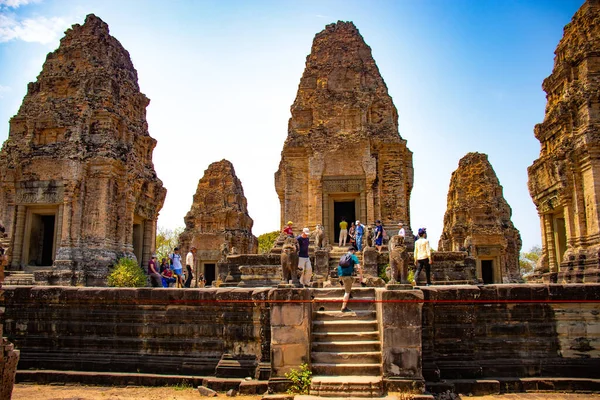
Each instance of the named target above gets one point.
<point>45,209</point>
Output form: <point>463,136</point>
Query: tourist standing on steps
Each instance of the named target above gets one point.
<point>177,267</point>
<point>303,258</point>
<point>343,232</point>
<point>346,278</point>
<point>401,232</point>
<point>352,235</point>
<point>378,236</point>
<point>359,232</point>
<point>287,230</point>
<point>189,264</point>
<point>423,256</point>
<point>155,278</point>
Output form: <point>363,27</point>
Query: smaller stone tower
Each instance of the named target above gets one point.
<point>219,216</point>
<point>477,220</point>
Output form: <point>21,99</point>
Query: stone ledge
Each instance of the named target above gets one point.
<point>480,387</point>
<point>134,379</point>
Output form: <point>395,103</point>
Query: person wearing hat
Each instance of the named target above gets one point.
<point>378,236</point>
<point>288,231</point>
<point>155,278</point>
<point>359,232</point>
<point>345,275</point>
<point>401,232</point>
<point>423,256</point>
<point>303,258</point>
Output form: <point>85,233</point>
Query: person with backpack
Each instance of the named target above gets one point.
<point>345,270</point>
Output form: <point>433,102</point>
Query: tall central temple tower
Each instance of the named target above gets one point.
<point>343,156</point>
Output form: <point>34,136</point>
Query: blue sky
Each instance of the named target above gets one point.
<point>222,75</point>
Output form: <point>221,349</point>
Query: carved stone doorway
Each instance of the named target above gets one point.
<point>342,209</point>
<point>40,237</point>
<point>560,237</point>
<point>487,271</point>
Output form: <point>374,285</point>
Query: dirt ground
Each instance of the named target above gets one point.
<point>75,392</point>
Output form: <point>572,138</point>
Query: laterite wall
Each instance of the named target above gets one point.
<point>511,331</point>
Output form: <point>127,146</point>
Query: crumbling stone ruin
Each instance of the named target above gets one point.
<point>77,183</point>
<point>477,221</point>
<point>343,156</point>
<point>563,181</point>
<point>218,218</point>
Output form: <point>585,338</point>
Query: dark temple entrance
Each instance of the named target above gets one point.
<point>487,271</point>
<point>209,273</point>
<point>41,240</point>
<point>345,209</point>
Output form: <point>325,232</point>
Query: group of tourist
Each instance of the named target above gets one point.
<point>355,235</point>
<point>170,271</point>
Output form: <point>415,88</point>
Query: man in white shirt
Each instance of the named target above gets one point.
<point>401,231</point>
<point>423,256</point>
<point>189,266</point>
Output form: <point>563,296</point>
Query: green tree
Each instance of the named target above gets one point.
<point>266,241</point>
<point>127,273</point>
<point>528,260</point>
<point>166,240</point>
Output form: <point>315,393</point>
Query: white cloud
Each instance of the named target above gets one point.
<point>39,29</point>
<point>17,3</point>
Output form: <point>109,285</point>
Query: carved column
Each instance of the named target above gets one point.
<point>18,238</point>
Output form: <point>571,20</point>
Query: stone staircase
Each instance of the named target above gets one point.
<point>18,278</point>
<point>346,347</point>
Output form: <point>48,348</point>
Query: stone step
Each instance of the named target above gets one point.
<point>351,357</point>
<point>338,292</point>
<point>346,346</point>
<point>335,304</point>
<point>342,386</point>
<point>340,337</point>
<point>19,278</point>
<point>345,326</point>
<point>332,369</point>
<point>338,315</point>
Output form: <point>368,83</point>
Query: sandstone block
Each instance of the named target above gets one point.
<point>206,392</point>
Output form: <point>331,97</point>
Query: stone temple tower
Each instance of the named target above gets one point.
<point>343,156</point>
<point>478,220</point>
<point>564,181</point>
<point>77,184</point>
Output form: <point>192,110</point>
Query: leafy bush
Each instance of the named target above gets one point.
<point>382,272</point>
<point>127,273</point>
<point>266,241</point>
<point>300,380</point>
<point>411,275</point>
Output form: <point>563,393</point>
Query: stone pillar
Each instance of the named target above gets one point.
<point>9,358</point>
<point>401,344</point>
<point>321,268</point>
<point>370,262</point>
<point>17,248</point>
<point>291,320</point>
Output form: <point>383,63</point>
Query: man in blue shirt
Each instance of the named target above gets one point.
<point>176,263</point>
<point>303,258</point>
<point>360,231</point>
<point>345,274</point>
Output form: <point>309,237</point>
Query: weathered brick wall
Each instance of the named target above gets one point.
<point>511,331</point>
<point>165,331</point>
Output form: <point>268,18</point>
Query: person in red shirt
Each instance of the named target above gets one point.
<point>288,231</point>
